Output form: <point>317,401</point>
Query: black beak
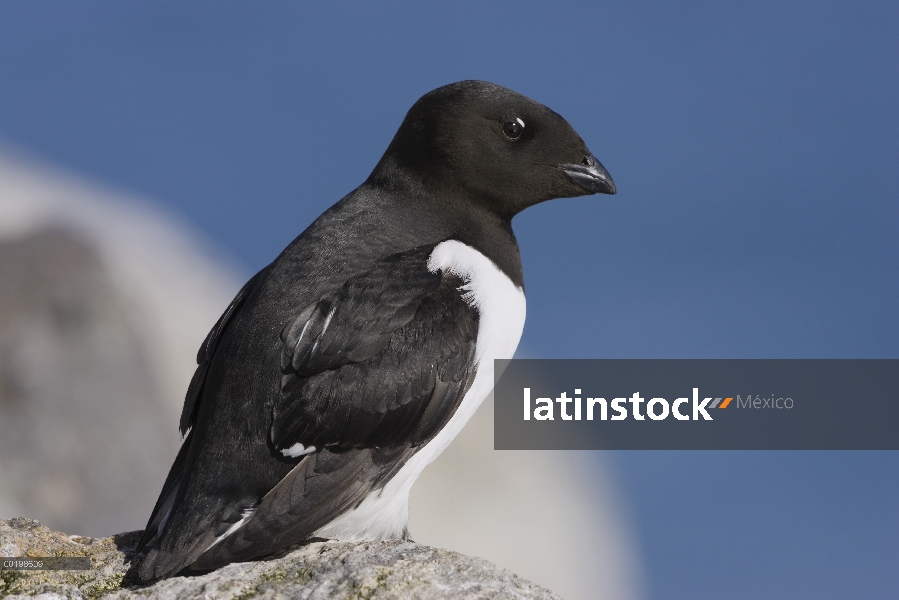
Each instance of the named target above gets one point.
<point>590,175</point>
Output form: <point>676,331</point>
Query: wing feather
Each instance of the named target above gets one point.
<point>377,363</point>
<point>371,372</point>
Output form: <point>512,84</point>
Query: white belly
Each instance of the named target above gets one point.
<point>384,514</point>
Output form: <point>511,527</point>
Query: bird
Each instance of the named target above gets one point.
<point>348,364</point>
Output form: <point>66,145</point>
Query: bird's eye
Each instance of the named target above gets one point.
<point>513,129</point>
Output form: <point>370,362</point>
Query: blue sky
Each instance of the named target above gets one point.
<point>755,148</point>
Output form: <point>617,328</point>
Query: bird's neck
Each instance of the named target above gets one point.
<point>405,214</point>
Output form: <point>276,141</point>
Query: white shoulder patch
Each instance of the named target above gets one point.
<point>500,303</point>
<point>501,312</point>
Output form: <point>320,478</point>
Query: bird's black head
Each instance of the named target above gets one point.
<point>485,142</point>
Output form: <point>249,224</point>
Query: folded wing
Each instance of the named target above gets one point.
<point>370,372</point>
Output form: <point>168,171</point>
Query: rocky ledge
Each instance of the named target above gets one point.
<point>319,570</point>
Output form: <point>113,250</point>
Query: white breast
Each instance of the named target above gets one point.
<point>501,310</point>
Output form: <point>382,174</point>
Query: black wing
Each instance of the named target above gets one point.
<point>370,372</point>
<point>379,363</point>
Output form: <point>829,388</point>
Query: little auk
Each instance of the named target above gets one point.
<point>349,363</point>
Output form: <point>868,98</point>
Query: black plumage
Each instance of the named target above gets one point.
<point>379,363</point>
<point>348,342</point>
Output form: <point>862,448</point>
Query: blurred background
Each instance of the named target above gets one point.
<point>154,156</point>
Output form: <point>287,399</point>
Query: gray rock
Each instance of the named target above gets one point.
<point>317,571</point>
<point>27,538</point>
